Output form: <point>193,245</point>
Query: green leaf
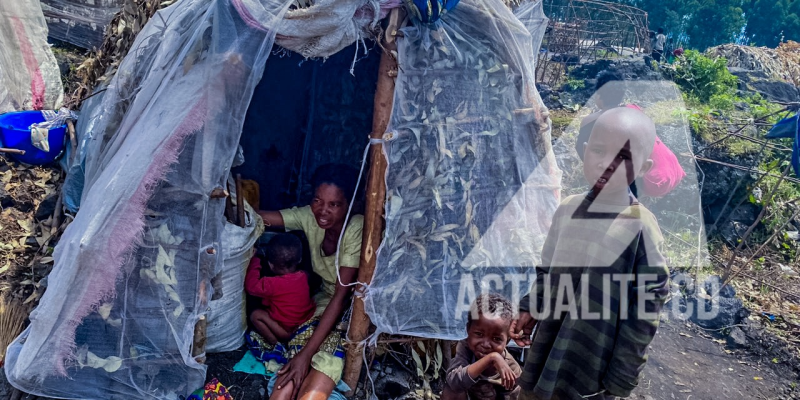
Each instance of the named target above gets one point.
<point>417,361</point>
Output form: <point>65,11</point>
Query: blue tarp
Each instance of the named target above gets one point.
<point>789,128</point>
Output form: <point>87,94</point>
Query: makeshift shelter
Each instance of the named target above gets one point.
<point>583,31</point>
<point>460,150</point>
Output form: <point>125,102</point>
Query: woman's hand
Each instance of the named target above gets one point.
<point>295,371</point>
<point>506,374</point>
<point>522,328</point>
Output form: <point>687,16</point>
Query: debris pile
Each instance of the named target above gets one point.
<point>29,198</point>
<point>79,22</point>
<point>118,39</point>
<point>782,63</point>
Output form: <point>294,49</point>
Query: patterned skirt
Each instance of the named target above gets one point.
<point>282,353</point>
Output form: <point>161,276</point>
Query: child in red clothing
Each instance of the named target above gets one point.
<point>285,296</point>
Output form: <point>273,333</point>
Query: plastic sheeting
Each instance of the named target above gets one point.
<point>80,22</point>
<point>227,314</point>
<point>29,75</point>
<point>132,271</point>
<point>471,180</point>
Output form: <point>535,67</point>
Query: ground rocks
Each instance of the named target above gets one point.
<point>737,338</point>
<point>715,307</point>
<point>634,69</point>
<point>754,81</point>
<point>5,198</point>
<point>391,386</point>
<point>46,207</point>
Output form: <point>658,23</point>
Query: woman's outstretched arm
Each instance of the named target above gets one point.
<point>272,219</point>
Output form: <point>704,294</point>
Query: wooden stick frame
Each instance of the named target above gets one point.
<point>376,195</point>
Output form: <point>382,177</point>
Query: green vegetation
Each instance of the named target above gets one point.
<point>710,91</point>
<point>705,79</point>
<point>575,84</point>
<point>779,213</point>
<point>715,109</point>
<point>561,122</point>
<point>699,24</point>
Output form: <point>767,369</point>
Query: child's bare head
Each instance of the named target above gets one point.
<point>619,149</point>
<point>284,253</point>
<point>489,319</point>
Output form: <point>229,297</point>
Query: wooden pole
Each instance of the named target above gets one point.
<point>12,151</point>
<point>239,202</point>
<point>229,207</point>
<point>199,342</point>
<point>376,195</point>
<point>73,139</point>
<point>56,221</point>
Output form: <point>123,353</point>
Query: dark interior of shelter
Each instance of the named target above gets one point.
<point>306,113</point>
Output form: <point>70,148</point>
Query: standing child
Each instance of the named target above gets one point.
<point>482,369</point>
<point>602,281</point>
<point>658,45</point>
<point>285,296</point>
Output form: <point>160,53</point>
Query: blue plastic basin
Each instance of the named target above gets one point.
<point>15,133</point>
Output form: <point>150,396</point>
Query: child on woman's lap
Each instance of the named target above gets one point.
<point>482,368</point>
<point>286,296</point>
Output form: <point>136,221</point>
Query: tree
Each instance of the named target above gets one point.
<point>670,15</point>
<point>791,24</point>
<point>715,22</point>
<point>766,19</point>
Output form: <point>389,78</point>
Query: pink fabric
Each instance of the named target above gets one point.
<point>128,229</point>
<point>127,232</point>
<point>246,17</point>
<point>666,173</point>
<point>37,82</point>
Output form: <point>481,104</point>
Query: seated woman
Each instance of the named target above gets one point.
<point>313,371</point>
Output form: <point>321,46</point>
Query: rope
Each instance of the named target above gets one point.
<point>372,339</point>
<point>355,55</point>
<point>372,141</point>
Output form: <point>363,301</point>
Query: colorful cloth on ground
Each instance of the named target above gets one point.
<point>329,359</point>
<point>602,344</point>
<point>287,298</point>
<point>325,265</point>
<point>213,390</point>
<point>249,364</point>
<point>666,172</point>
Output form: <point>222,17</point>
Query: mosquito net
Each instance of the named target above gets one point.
<point>471,179</point>
<point>133,270</point>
